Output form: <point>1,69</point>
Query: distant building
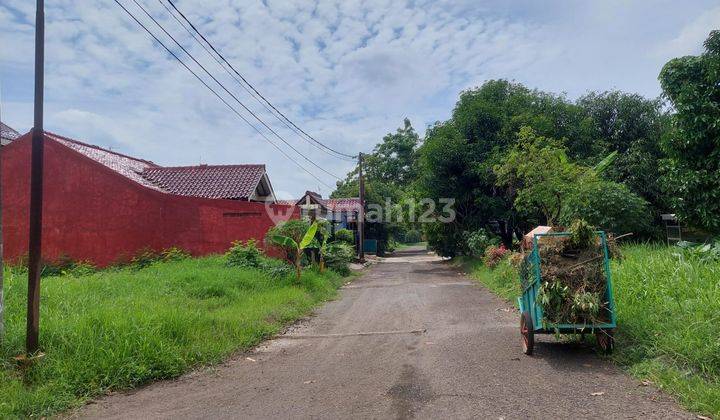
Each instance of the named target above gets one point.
<point>103,206</point>
<point>341,212</point>
<point>7,134</point>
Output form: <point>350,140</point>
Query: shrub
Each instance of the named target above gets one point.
<point>337,257</point>
<point>476,242</point>
<point>248,255</point>
<point>66,266</point>
<point>609,206</point>
<point>344,235</point>
<point>244,254</point>
<point>144,258</point>
<point>494,254</point>
<point>174,254</point>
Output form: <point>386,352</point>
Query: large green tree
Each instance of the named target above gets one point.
<point>633,126</point>
<point>692,85</point>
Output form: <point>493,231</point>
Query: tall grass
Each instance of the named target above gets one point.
<point>117,329</point>
<point>668,314</point>
<point>669,322</point>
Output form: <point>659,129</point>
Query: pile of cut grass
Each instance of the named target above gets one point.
<point>668,315</point>
<point>117,329</point>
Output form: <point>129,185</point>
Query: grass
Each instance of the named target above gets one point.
<point>406,246</point>
<point>117,329</point>
<point>668,309</point>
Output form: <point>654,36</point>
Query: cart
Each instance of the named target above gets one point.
<point>531,314</point>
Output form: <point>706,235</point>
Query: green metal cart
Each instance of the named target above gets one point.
<point>531,313</point>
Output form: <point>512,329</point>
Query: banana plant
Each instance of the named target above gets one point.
<point>324,233</point>
<point>306,242</point>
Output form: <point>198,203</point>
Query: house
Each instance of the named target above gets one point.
<point>7,134</point>
<point>342,213</point>
<point>104,206</point>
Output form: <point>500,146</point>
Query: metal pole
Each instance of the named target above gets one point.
<point>361,213</point>
<point>36,189</point>
<point>2,267</point>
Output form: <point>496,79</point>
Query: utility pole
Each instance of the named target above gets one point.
<point>2,266</point>
<point>36,190</point>
<point>361,213</point>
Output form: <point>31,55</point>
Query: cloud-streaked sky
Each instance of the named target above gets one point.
<point>346,71</point>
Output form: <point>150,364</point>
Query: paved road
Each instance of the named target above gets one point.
<point>410,338</point>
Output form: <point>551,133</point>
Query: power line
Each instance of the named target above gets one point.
<point>253,92</point>
<point>284,117</point>
<point>232,95</point>
<point>217,94</point>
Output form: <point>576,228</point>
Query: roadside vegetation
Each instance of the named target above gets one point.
<point>668,301</point>
<point>156,318</point>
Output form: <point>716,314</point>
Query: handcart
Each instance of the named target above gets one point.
<point>532,319</point>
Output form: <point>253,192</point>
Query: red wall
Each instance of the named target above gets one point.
<point>92,213</point>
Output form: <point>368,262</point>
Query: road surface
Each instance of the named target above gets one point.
<point>411,338</point>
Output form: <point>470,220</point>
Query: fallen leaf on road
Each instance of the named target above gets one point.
<point>308,382</point>
<point>587,365</point>
<point>429,343</point>
<point>250,359</point>
<point>646,383</point>
<point>703,417</point>
<point>597,394</point>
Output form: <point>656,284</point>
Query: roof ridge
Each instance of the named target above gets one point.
<point>203,166</point>
<point>82,143</point>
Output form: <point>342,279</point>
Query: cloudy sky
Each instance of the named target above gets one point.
<point>347,72</point>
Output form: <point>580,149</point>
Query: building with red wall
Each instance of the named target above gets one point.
<point>106,207</point>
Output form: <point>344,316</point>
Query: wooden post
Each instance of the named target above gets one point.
<point>36,190</point>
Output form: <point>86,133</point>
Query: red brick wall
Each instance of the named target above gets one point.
<point>92,213</point>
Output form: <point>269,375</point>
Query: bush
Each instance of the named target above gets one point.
<point>66,266</point>
<point>344,235</point>
<point>337,257</point>
<point>174,254</point>
<point>248,255</point>
<point>477,242</point>
<point>494,254</point>
<point>609,206</point>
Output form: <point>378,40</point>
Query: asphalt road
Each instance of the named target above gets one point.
<point>410,338</point>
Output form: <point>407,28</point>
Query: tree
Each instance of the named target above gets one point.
<point>633,126</point>
<point>693,169</point>
<point>538,176</point>
<point>389,172</point>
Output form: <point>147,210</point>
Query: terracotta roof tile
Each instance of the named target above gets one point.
<point>343,204</point>
<point>126,166</point>
<point>7,134</point>
<point>223,181</point>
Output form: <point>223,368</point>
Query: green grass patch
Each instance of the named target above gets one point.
<point>120,328</point>
<point>400,246</point>
<point>668,314</point>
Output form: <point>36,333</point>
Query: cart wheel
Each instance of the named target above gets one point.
<point>605,341</point>
<point>528,335</point>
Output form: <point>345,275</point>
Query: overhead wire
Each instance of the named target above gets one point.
<point>269,107</point>
<point>218,95</point>
<point>282,116</point>
<point>159,25</point>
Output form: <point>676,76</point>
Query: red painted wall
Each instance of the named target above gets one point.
<point>92,213</point>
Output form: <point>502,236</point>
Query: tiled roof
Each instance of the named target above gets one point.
<point>343,204</point>
<point>286,202</point>
<point>223,181</point>
<point>126,166</point>
<point>7,134</point>
<point>333,204</point>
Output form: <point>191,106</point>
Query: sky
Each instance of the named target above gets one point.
<point>346,72</point>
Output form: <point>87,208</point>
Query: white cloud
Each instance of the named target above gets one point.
<point>346,71</point>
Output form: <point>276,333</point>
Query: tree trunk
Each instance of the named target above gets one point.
<point>506,233</point>
<point>298,269</point>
